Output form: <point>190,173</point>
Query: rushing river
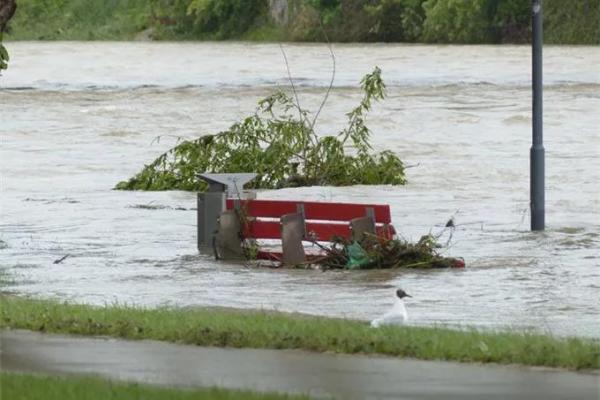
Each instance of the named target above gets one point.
<point>76,118</point>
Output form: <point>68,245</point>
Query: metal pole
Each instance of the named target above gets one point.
<point>537,148</point>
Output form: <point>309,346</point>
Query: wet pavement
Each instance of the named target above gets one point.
<point>319,375</point>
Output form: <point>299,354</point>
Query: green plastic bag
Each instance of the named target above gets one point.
<point>357,256</point>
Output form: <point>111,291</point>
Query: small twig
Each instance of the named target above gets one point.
<point>60,259</point>
<point>449,237</point>
<point>324,248</point>
<point>314,121</point>
<point>523,214</point>
<point>157,138</point>
<point>412,165</point>
<point>447,248</point>
<point>287,67</point>
<point>301,113</point>
<point>399,264</point>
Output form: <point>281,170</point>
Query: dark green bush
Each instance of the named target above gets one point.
<point>435,21</point>
<point>512,21</point>
<point>456,21</point>
<point>396,20</point>
<point>573,21</point>
<point>225,19</point>
<point>79,19</point>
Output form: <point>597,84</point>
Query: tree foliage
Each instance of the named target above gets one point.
<point>455,21</point>
<point>512,20</point>
<point>7,10</point>
<point>575,21</point>
<point>451,21</point>
<point>279,144</point>
<point>208,19</point>
<point>226,18</point>
<point>396,20</point>
<point>80,19</point>
<point>4,58</point>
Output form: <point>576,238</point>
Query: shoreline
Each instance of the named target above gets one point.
<point>8,39</point>
<point>395,21</point>
<point>276,330</point>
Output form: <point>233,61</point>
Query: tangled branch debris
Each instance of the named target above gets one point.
<point>374,252</point>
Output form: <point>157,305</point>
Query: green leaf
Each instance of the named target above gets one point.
<point>3,53</point>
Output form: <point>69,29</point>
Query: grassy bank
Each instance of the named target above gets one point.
<point>431,21</point>
<point>256,329</point>
<point>38,387</point>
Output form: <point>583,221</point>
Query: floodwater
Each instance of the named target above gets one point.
<point>76,118</point>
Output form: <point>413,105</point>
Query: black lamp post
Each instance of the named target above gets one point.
<point>537,147</point>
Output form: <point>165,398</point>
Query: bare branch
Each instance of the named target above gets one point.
<point>287,67</point>
<point>314,121</point>
<point>301,112</point>
<point>157,138</point>
<point>7,10</point>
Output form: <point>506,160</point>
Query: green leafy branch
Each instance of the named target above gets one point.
<point>278,143</point>
<point>4,58</point>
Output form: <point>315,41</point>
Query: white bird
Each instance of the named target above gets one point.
<point>397,315</point>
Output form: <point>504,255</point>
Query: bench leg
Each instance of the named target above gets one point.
<point>292,234</point>
<point>227,240</point>
<point>362,225</point>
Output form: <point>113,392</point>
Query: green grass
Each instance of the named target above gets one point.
<point>39,387</point>
<point>260,329</point>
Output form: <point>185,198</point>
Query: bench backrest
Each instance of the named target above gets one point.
<point>323,221</point>
<point>313,210</point>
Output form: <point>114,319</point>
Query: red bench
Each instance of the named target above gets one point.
<point>293,222</point>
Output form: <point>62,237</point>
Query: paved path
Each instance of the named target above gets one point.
<point>341,376</point>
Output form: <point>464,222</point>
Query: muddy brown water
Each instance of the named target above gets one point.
<point>76,118</point>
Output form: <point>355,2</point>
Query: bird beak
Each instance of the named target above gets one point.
<point>407,295</point>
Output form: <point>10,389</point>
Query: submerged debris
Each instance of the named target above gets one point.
<point>374,252</point>
<point>63,258</point>
<point>151,206</point>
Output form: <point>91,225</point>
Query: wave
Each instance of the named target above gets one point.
<point>303,83</point>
